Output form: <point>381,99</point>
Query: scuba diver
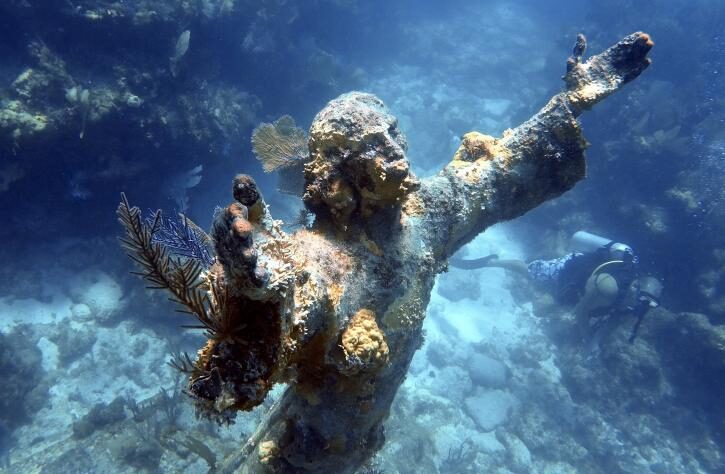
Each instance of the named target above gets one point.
<point>599,278</point>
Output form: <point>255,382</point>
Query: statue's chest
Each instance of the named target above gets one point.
<point>362,274</point>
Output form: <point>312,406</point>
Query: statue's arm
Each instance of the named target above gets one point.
<point>494,179</point>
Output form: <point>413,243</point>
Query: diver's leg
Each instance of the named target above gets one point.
<point>489,261</point>
<point>517,266</point>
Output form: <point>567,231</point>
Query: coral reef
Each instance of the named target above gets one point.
<point>24,391</point>
<point>669,375</point>
<point>128,436</point>
<point>99,417</point>
<point>336,310</point>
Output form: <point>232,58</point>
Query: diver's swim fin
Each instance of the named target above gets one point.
<point>472,264</point>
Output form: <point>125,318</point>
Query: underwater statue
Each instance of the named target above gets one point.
<point>335,310</point>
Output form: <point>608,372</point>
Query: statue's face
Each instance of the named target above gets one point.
<point>358,159</point>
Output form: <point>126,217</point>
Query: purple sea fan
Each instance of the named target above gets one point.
<point>183,238</point>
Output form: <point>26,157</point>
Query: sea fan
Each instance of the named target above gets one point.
<point>183,238</point>
<point>280,144</point>
<point>182,277</point>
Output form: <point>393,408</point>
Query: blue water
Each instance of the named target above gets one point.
<point>501,384</point>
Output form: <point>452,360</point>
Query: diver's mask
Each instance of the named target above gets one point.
<point>643,292</point>
<point>650,291</point>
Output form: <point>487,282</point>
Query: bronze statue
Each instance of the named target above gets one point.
<point>336,310</point>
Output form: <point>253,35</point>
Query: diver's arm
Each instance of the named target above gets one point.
<point>493,179</point>
<point>635,329</point>
<point>640,311</point>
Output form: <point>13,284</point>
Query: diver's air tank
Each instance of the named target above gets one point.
<point>585,242</point>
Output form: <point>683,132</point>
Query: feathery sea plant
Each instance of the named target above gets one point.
<point>182,362</point>
<point>280,144</point>
<point>183,238</point>
<point>180,276</point>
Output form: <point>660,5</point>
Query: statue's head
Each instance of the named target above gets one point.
<point>357,160</point>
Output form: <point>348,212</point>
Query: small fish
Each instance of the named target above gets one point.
<point>182,46</point>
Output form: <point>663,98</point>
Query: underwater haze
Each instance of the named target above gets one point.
<point>553,355</point>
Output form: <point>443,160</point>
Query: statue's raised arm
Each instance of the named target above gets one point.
<point>494,179</point>
<point>335,310</point>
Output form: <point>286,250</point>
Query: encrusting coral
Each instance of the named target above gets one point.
<point>336,310</point>
<point>363,343</point>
